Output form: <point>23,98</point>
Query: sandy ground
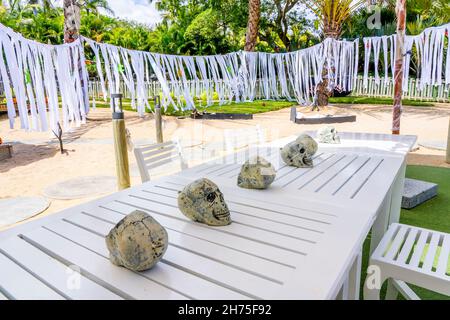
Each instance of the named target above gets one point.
<point>37,163</point>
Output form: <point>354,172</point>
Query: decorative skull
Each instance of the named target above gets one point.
<point>137,242</point>
<point>328,134</point>
<point>256,173</point>
<point>310,144</point>
<point>203,202</point>
<point>296,154</point>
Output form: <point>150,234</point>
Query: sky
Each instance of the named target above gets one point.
<point>137,10</point>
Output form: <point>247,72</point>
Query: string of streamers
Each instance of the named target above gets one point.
<point>35,76</point>
<point>428,50</point>
<point>187,80</point>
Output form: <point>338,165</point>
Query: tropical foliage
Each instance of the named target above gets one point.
<point>219,26</point>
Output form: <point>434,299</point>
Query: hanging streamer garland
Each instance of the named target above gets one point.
<point>34,75</point>
<point>430,51</point>
<point>38,78</point>
<point>187,80</point>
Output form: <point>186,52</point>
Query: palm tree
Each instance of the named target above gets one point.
<point>94,5</point>
<point>331,15</point>
<point>254,12</point>
<point>72,20</point>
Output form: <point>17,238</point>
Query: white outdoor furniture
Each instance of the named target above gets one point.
<point>275,248</point>
<point>409,254</point>
<point>362,179</point>
<point>236,139</point>
<point>156,155</point>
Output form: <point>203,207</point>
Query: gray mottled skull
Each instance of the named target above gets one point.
<point>310,144</point>
<point>202,201</point>
<point>137,242</point>
<point>296,154</point>
<point>328,134</point>
<point>256,173</point>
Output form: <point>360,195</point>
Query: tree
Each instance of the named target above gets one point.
<point>93,6</point>
<point>331,16</point>
<point>72,20</point>
<point>400,10</point>
<point>253,24</point>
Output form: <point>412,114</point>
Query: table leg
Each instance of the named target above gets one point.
<point>381,222</point>
<point>397,194</point>
<point>354,278</point>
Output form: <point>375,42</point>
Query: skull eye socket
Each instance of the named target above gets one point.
<point>302,150</point>
<point>211,197</point>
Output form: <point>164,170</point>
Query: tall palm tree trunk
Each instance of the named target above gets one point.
<point>254,11</point>
<point>400,10</point>
<point>72,23</point>
<point>72,20</point>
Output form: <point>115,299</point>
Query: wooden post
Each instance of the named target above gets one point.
<point>447,158</point>
<point>400,10</point>
<point>158,120</point>
<point>120,146</point>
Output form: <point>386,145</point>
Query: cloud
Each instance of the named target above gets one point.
<point>137,10</point>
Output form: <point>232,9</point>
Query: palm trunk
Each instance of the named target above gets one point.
<point>72,23</point>
<point>400,10</point>
<point>72,20</point>
<point>253,23</point>
<point>323,93</point>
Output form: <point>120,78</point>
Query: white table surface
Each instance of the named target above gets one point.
<point>281,245</point>
<point>274,249</point>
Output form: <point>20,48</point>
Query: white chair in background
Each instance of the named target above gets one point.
<point>411,255</point>
<point>236,139</point>
<point>156,155</point>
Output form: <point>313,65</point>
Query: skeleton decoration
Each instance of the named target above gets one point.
<point>137,242</point>
<point>296,154</point>
<point>310,144</point>
<point>328,134</point>
<point>256,173</point>
<point>203,202</point>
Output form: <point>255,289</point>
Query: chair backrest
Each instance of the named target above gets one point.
<point>152,156</point>
<point>236,139</point>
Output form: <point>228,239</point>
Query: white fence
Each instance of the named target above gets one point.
<point>438,93</point>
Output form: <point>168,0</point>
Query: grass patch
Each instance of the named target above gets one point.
<point>254,107</point>
<point>383,101</point>
<point>433,214</point>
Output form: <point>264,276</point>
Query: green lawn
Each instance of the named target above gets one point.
<point>259,106</point>
<point>384,101</point>
<point>433,214</point>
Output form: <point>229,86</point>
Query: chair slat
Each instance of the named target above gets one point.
<point>407,246</point>
<point>431,252</point>
<point>418,250</point>
<point>155,146</point>
<point>158,151</point>
<point>444,256</point>
<point>396,244</point>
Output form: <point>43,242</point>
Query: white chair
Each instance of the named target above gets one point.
<point>236,139</point>
<point>156,155</point>
<point>412,255</point>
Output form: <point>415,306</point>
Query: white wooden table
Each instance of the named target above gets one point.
<point>274,249</point>
<point>361,179</point>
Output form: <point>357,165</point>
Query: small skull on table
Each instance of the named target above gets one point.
<point>203,202</point>
<point>328,134</point>
<point>256,173</point>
